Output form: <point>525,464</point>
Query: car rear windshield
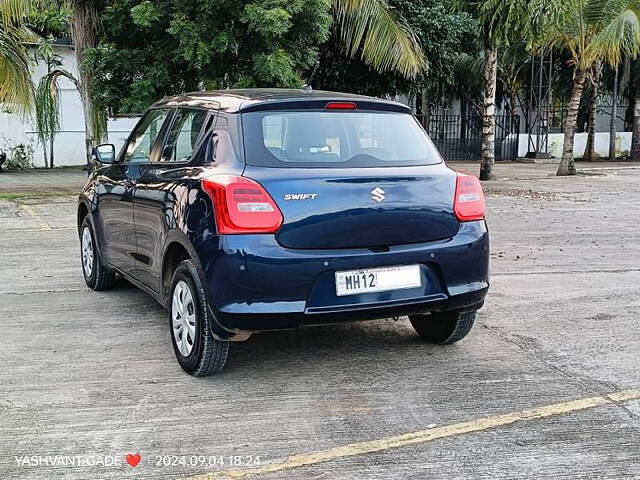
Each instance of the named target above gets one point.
<point>335,139</point>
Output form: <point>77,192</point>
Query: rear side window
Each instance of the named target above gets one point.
<point>316,139</point>
<point>183,135</point>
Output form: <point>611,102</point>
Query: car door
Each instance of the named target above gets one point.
<point>116,190</point>
<point>163,188</point>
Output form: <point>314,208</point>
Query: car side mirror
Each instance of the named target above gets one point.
<point>105,153</point>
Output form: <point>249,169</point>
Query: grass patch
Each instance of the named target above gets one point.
<point>23,196</point>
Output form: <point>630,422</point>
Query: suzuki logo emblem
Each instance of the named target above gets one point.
<point>378,194</point>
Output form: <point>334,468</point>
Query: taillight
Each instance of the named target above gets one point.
<point>468,203</point>
<point>242,205</point>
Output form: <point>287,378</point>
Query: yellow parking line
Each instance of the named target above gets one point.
<point>422,436</point>
<point>43,225</point>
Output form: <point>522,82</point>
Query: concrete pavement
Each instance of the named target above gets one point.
<point>92,374</point>
<point>38,181</point>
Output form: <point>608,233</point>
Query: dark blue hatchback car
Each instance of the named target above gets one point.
<point>242,211</point>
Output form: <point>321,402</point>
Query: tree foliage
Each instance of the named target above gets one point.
<point>592,30</point>
<point>49,18</point>
<point>16,89</point>
<point>156,48</point>
<point>383,39</point>
<point>47,103</point>
<point>444,37</point>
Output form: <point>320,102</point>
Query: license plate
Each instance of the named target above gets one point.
<point>377,280</point>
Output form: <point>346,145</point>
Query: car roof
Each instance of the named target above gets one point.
<point>233,101</point>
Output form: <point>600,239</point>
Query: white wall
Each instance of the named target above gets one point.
<point>69,147</point>
<point>601,144</point>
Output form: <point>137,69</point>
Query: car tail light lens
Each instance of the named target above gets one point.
<point>242,205</point>
<point>468,204</point>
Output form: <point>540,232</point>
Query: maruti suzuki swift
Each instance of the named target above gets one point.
<point>244,211</point>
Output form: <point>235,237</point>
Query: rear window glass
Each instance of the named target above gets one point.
<point>335,139</point>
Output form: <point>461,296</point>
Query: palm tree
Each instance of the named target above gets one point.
<point>86,28</point>
<point>382,37</point>
<point>46,97</point>
<point>592,107</point>
<point>501,22</point>
<point>16,88</point>
<point>591,31</point>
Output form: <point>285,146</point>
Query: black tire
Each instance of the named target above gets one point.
<point>98,277</point>
<point>207,355</point>
<point>443,328</point>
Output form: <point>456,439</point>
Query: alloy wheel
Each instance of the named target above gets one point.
<point>183,316</point>
<point>87,252</point>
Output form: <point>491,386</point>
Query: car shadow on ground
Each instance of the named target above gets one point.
<point>315,348</point>
<point>293,352</point>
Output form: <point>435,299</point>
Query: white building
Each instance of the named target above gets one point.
<point>18,134</point>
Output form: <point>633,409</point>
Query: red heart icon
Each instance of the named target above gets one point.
<point>132,459</point>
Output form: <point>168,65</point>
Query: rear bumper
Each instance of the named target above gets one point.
<point>255,284</point>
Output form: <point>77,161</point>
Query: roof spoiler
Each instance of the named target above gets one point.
<point>316,103</point>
